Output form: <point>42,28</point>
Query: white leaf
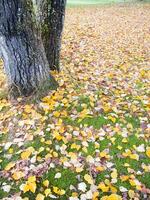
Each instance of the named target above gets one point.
<point>73,198</point>
<point>76,133</point>
<point>21,187</point>
<point>93,188</point>
<point>141,148</point>
<point>82,186</point>
<point>72,187</point>
<point>113,180</point>
<point>89,194</point>
<point>85,144</point>
<point>33,159</point>
<point>52,165</point>
<point>18,198</point>
<point>7,145</point>
<point>52,196</point>
<point>6,188</point>
<point>123,189</point>
<point>83,197</point>
<point>58,175</point>
<point>109,164</point>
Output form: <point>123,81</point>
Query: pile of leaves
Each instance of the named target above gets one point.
<point>90,138</point>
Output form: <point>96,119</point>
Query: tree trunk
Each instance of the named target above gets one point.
<point>22,51</point>
<point>50,14</point>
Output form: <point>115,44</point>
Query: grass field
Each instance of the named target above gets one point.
<point>101,2</point>
<point>89,140</point>
<point>93,2</point>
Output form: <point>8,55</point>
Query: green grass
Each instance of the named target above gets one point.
<point>92,2</point>
<point>102,2</point>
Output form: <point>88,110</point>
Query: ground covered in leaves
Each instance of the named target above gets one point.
<point>90,139</point>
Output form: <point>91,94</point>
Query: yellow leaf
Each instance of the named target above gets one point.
<point>49,155</point>
<point>107,182</point>
<point>85,149</point>
<point>18,175</point>
<point>47,192</point>
<point>146,167</point>
<point>64,101</point>
<point>46,183</point>
<point>31,179</point>
<point>106,108</point>
<point>114,197</point>
<point>61,129</point>
<point>113,119</point>
<point>124,140</point>
<point>88,178</point>
<point>26,188</point>
<point>11,150</point>
<point>26,198</point>
<point>114,174</point>
<point>104,198</point>
<point>124,178</point>
<point>62,192</point>
<point>131,194</point>
<point>9,166</point>
<point>55,189</point>
<point>126,165</point>
<point>103,154</point>
<point>134,156</point>
<point>113,139</point>
<point>127,153</point>
<point>75,146</point>
<point>148,152</point>
<point>25,155</point>
<point>103,187</point>
<point>95,195</point>
<point>119,147</point>
<point>48,142</point>
<point>56,114</point>
<point>32,186</point>
<point>58,191</point>
<point>28,109</point>
<point>41,149</point>
<point>42,140</point>
<point>100,168</point>
<point>132,182</point>
<point>57,136</point>
<point>79,169</point>
<point>40,197</point>
<point>55,154</point>
<point>74,194</point>
<point>113,189</point>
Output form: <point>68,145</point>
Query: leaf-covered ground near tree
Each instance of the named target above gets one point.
<point>89,139</point>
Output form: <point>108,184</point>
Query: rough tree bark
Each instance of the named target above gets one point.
<point>51,14</point>
<point>22,49</point>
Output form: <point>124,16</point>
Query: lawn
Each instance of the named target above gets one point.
<point>93,2</point>
<point>90,138</point>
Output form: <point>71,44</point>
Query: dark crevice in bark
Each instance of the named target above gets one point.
<point>57,15</point>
